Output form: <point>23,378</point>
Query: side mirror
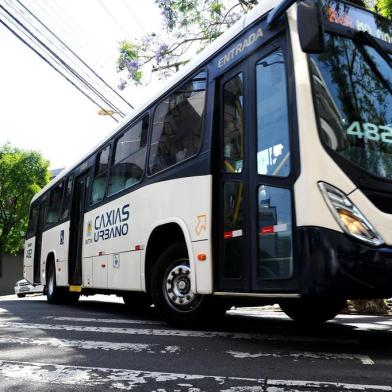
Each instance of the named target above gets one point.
<point>310,26</point>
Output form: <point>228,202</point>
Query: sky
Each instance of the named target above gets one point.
<point>41,111</point>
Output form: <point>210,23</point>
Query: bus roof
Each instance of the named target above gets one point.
<point>262,8</point>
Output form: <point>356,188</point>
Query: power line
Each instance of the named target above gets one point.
<point>113,18</point>
<point>61,61</point>
<point>77,56</point>
<point>133,15</point>
<point>77,31</point>
<point>51,65</point>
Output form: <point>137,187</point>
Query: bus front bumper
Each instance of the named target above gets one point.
<point>333,264</point>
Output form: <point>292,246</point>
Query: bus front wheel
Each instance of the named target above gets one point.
<point>171,289</point>
<point>313,311</point>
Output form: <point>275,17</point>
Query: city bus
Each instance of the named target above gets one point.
<point>261,173</point>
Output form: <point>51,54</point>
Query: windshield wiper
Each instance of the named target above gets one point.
<point>363,36</point>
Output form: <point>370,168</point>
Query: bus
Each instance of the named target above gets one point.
<point>261,173</point>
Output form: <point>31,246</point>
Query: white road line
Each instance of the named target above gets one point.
<point>104,320</point>
<point>174,332</point>
<point>364,359</point>
<point>128,379</point>
<point>125,379</point>
<point>326,385</point>
<point>91,345</point>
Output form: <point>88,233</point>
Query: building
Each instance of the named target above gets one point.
<point>11,270</point>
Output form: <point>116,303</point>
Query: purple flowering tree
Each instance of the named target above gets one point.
<point>190,25</point>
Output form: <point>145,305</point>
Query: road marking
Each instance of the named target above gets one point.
<point>104,320</point>
<point>91,345</point>
<point>124,379</point>
<point>364,359</point>
<point>325,385</point>
<point>128,379</point>
<point>175,332</point>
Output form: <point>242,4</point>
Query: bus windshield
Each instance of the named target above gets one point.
<point>353,93</point>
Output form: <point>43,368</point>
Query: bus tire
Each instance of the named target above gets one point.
<point>21,295</point>
<point>171,289</point>
<point>313,311</point>
<point>53,292</point>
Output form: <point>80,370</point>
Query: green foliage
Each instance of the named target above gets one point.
<point>22,175</point>
<point>190,25</point>
<point>384,7</point>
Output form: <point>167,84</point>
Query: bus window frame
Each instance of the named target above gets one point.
<point>203,122</point>
<point>32,233</point>
<point>93,173</point>
<point>66,180</point>
<point>46,226</point>
<point>115,139</point>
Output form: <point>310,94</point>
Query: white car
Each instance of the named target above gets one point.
<point>23,287</point>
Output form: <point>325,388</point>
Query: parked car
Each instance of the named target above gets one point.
<point>23,287</point>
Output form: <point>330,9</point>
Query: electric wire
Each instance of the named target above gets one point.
<point>133,15</point>
<point>75,54</point>
<point>52,66</point>
<point>74,31</point>
<point>63,64</point>
<point>120,27</point>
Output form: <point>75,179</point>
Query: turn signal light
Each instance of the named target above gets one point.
<point>202,257</point>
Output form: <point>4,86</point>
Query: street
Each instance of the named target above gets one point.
<point>100,345</point>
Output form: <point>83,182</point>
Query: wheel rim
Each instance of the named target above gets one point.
<point>51,284</point>
<point>177,288</point>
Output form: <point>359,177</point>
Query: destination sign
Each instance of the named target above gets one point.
<point>358,19</point>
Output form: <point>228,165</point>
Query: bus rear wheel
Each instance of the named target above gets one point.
<point>171,289</point>
<point>53,292</point>
<point>313,311</point>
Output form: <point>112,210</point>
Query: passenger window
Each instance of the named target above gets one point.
<point>54,205</point>
<point>177,125</point>
<point>273,149</point>
<point>33,218</point>
<point>233,125</point>
<point>275,259</point>
<point>129,158</point>
<point>67,198</point>
<point>100,176</point>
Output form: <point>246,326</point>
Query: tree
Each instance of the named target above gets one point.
<point>384,7</point>
<point>22,175</point>
<point>190,25</point>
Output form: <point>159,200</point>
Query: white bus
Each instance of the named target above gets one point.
<point>262,173</point>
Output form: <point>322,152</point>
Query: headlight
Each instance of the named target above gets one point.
<point>348,216</point>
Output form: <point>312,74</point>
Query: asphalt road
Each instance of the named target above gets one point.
<point>99,345</point>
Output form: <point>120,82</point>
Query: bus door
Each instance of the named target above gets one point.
<point>255,177</point>
<point>76,229</point>
<point>38,242</point>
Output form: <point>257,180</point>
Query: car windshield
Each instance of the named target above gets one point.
<point>353,92</point>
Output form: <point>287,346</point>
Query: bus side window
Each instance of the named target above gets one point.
<point>54,205</point>
<point>33,218</point>
<point>273,156</point>
<point>67,198</point>
<point>177,125</point>
<point>100,176</point>
<point>129,158</point>
<point>233,128</point>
